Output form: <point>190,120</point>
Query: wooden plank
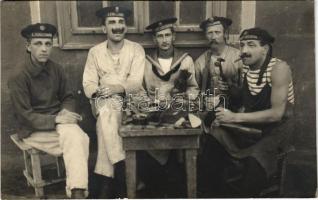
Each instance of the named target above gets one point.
<point>43,183</point>
<point>28,178</point>
<point>53,181</point>
<point>131,173</point>
<point>23,146</point>
<point>27,164</point>
<point>37,174</point>
<point>161,142</point>
<point>158,132</point>
<point>191,169</point>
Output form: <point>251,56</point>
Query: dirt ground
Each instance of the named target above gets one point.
<point>14,185</point>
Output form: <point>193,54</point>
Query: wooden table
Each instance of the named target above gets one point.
<point>164,138</point>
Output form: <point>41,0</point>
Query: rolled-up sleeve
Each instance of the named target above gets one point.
<point>133,83</point>
<point>20,98</point>
<point>90,75</point>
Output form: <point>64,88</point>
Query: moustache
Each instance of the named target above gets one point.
<point>243,55</point>
<point>118,30</point>
<point>213,42</point>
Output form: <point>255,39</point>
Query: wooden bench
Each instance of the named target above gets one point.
<point>33,167</point>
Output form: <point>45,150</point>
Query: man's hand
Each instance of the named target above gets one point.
<point>225,115</point>
<point>211,102</point>
<point>102,92</point>
<point>109,90</point>
<point>67,117</point>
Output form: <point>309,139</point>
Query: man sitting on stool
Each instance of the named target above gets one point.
<point>44,106</point>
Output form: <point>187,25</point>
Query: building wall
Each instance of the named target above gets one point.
<point>292,23</point>
<point>12,54</point>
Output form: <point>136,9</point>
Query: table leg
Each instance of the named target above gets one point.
<point>131,173</point>
<point>191,169</point>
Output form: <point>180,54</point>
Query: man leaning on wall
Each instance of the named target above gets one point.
<point>45,108</point>
<point>114,69</point>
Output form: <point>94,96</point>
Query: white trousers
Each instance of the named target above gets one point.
<point>71,141</point>
<point>110,147</point>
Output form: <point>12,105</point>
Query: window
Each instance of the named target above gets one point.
<point>189,13</point>
<point>80,29</point>
<point>85,21</point>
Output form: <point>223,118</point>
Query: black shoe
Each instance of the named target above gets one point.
<point>120,180</point>
<point>100,187</point>
<point>78,193</point>
<point>107,189</point>
<point>95,184</point>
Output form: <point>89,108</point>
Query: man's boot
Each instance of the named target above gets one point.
<point>78,193</point>
<point>107,189</point>
<point>120,180</point>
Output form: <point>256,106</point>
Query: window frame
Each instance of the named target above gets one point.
<point>216,7</point>
<point>188,36</point>
<point>76,29</point>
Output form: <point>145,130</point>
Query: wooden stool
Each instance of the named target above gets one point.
<point>276,183</point>
<point>33,167</point>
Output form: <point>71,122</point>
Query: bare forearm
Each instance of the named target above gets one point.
<point>266,116</point>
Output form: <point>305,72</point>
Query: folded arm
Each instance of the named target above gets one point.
<point>133,82</point>
<point>90,76</point>
<point>20,98</point>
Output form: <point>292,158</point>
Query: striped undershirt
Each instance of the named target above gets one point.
<point>252,78</point>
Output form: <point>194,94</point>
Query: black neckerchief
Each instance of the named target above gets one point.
<point>178,56</point>
<point>166,76</point>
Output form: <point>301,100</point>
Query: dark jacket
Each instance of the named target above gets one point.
<point>38,94</point>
